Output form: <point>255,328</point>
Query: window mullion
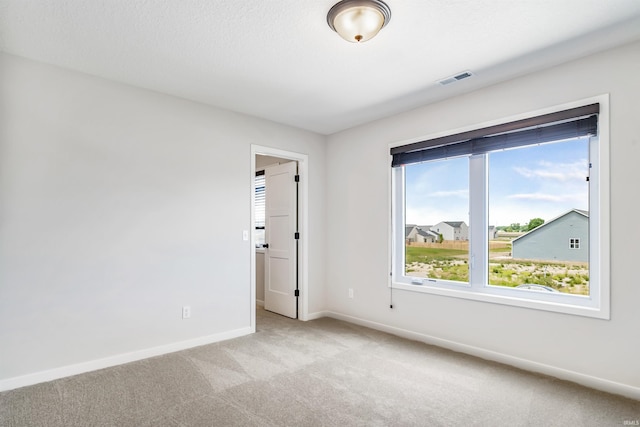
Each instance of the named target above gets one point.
<point>478,221</point>
<point>398,253</point>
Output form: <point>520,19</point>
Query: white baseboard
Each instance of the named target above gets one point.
<point>576,377</point>
<point>528,365</point>
<point>259,303</point>
<point>316,315</point>
<point>120,359</point>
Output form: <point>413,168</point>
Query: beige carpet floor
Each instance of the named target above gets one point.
<point>319,373</point>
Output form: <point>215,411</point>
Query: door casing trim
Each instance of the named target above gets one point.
<point>303,227</point>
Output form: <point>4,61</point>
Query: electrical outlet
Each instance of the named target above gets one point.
<point>350,292</point>
<point>186,312</point>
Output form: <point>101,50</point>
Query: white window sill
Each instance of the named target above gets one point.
<point>559,303</point>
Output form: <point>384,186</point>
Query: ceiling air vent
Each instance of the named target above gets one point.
<point>456,78</point>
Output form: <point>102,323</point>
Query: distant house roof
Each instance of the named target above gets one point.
<point>454,224</point>
<point>422,230</point>
<point>578,211</point>
<point>427,233</point>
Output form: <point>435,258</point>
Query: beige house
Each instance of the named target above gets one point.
<point>452,230</point>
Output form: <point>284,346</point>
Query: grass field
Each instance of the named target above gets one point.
<point>419,254</point>
<point>452,264</point>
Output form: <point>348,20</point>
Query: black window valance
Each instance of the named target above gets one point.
<point>574,123</point>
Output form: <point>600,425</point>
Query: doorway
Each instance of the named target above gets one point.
<point>272,259</point>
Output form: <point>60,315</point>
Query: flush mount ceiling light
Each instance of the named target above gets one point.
<point>357,21</point>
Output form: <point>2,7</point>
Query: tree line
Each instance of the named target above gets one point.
<point>516,227</point>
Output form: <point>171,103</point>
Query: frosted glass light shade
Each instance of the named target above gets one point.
<point>357,21</point>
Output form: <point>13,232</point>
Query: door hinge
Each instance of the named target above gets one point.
<point>587,179</point>
<point>296,293</point>
<point>296,235</point>
<point>297,178</point>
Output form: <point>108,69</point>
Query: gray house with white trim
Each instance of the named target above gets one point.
<point>565,238</point>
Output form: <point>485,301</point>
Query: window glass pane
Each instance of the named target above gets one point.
<point>259,238</point>
<point>539,217</point>
<point>436,219</point>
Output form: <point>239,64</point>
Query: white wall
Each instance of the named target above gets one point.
<point>358,199</point>
<point>118,206</point>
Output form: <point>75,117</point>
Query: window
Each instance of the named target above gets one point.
<point>574,243</point>
<point>440,208</point>
<point>260,208</point>
<point>486,214</point>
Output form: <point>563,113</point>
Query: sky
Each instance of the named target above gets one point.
<point>540,181</point>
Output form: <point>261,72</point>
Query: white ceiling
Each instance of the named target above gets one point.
<point>279,60</point>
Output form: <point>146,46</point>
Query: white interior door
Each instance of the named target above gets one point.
<point>280,262</point>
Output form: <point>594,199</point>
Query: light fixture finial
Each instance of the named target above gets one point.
<point>357,21</point>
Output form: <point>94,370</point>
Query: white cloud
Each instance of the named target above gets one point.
<point>538,196</point>
<point>562,172</point>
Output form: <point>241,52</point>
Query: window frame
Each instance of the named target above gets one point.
<point>574,243</point>
<point>596,305</point>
